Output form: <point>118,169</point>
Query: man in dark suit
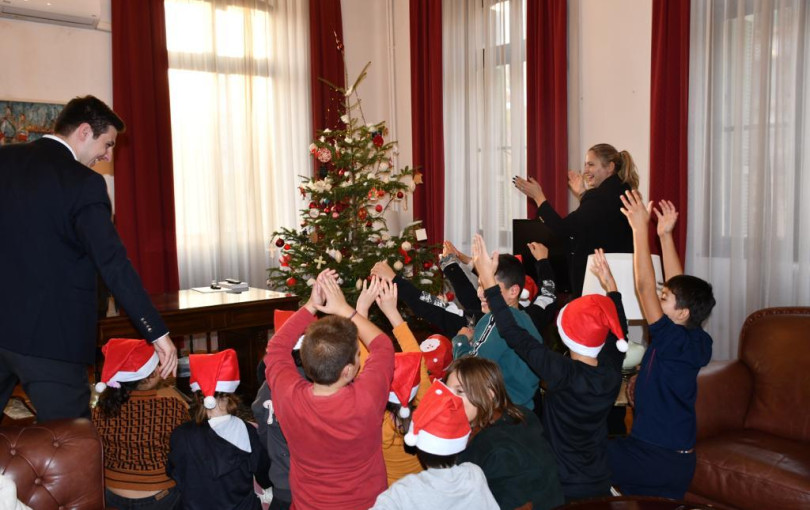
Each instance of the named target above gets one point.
<point>57,233</point>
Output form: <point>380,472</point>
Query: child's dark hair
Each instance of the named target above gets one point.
<point>693,294</point>
<point>400,424</point>
<point>510,271</point>
<point>429,460</point>
<point>200,414</point>
<point>329,345</point>
<point>112,399</point>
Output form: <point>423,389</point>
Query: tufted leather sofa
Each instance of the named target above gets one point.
<point>56,465</point>
<point>753,448</point>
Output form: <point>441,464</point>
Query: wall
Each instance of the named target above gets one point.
<point>609,79</point>
<point>377,31</point>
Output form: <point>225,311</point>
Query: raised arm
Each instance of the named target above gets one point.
<point>450,263</point>
<point>667,216</point>
<point>542,309</point>
<point>335,304</point>
<point>638,215</point>
<point>601,269</point>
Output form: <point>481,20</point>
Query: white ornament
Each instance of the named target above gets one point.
<point>406,245</point>
<point>319,262</point>
<point>383,165</point>
<point>314,212</point>
<point>359,283</point>
<point>344,118</point>
<point>310,282</point>
<point>398,265</point>
<point>385,236</point>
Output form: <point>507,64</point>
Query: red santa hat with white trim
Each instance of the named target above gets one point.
<point>439,425</point>
<point>211,373</point>
<point>126,360</point>
<point>437,351</point>
<point>405,383</point>
<point>585,322</point>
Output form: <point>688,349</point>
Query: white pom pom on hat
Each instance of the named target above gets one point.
<point>209,402</point>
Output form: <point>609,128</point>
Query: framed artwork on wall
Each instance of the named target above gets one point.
<point>25,122</point>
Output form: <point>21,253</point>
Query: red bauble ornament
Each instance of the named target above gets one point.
<point>378,140</point>
<point>341,172</point>
<point>279,242</point>
<point>450,296</point>
<point>378,208</point>
<point>368,223</point>
<point>400,194</point>
<point>335,215</point>
<point>313,205</point>
<point>427,264</point>
<point>284,260</point>
<point>291,281</point>
<point>380,193</point>
<point>362,214</point>
<point>287,247</point>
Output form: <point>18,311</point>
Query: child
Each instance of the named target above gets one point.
<point>580,390</point>
<point>507,441</point>
<point>214,457</point>
<point>332,424</point>
<point>269,428</point>
<point>484,340</point>
<point>135,419</point>
<point>409,384</point>
<point>658,457</point>
<point>439,431</point>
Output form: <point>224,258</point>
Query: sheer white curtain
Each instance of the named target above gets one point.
<point>484,60</point>
<point>240,108</point>
<point>749,168</point>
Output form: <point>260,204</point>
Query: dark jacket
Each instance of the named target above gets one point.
<point>211,472</point>
<point>56,230</point>
<point>517,461</point>
<point>598,222</point>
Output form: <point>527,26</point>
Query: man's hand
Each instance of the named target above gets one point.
<point>167,356</point>
<point>485,265</point>
<point>368,295</point>
<point>335,300</point>
<point>539,250</point>
<point>449,248</point>
<point>316,297</point>
<point>638,215</point>
<point>531,188</point>
<point>383,270</point>
<point>601,269</point>
<point>576,183</point>
<point>667,216</point>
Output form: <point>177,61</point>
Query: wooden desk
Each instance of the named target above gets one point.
<point>240,320</point>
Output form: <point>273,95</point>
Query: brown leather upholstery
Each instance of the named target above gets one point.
<point>753,448</point>
<point>56,465</point>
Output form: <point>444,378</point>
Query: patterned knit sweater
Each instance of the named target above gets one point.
<point>136,442</point>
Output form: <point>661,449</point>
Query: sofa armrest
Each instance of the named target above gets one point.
<point>724,393</point>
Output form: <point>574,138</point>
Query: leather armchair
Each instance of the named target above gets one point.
<point>753,413</point>
<point>56,465</point>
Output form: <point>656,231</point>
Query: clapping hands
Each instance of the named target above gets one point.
<point>486,265</point>
<point>638,214</point>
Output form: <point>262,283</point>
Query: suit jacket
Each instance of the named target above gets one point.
<point>57,232</point>
<point>598,222</point>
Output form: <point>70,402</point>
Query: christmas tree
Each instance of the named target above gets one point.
<point>344,226</point>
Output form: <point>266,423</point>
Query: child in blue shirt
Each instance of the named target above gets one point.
<point>658,458</point>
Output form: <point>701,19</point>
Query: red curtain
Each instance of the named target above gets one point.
<point>427,118</point>
<point>144,186</point>
<point>547,100</point>
<point>326,61</point>
<point>669,108</point>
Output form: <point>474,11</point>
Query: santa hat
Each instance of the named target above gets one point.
<point>279,318</point>
<point>437,351</point>
<point>439,425</point>
<point>211,373</point>
<point>125,360</point>
<point>585,322</point>
<point>529,291</point>
<point>406,380</point>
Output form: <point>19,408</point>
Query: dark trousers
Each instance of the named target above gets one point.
<point>643,469</point>
<point>166,500</point>
<point>58,389</point>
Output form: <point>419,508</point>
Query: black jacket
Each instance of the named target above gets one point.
<point>598,222</point>
<point>56,230</point>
